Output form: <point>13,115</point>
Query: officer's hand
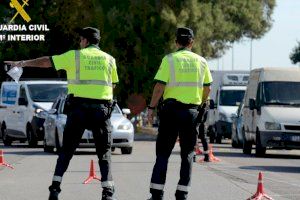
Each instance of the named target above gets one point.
<point>14,63</point>
<point>150,116</point>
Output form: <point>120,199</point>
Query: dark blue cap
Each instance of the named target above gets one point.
<point>184,33</point>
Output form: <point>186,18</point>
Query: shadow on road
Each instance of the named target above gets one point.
<point>283,169</point>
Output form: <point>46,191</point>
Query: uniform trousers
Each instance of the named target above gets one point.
<point>176,119</point>
<point>93,115</point>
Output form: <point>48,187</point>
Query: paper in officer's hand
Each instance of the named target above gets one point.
<point>15,73</point>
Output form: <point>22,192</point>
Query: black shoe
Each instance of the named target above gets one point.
<point>206,158</point>
<point>54,192</point>
<point>181,195</point>
<point>108,194</point>
<point>156,198</point>
<point>106,197</point>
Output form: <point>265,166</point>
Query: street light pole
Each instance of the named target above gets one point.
<point>232,58</point>
<point>251,54</point>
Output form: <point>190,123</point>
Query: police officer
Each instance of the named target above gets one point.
<point>184,81</point>
<point>91,75</point>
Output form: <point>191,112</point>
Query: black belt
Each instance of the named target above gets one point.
<point>90,101</point>
<point>180,104</point>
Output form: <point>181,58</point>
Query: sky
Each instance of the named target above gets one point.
<point>273,49</point>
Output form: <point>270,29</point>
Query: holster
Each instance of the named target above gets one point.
<point>68,103</point>
<point>201,109</point>
<point>111,107</point>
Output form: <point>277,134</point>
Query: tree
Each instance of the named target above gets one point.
<point>295,55</point>
<point>139,33</point>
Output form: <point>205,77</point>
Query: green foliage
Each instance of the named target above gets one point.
<point>139,33</point>
<point>295,55</point>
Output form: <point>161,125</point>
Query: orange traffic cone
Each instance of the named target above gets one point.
<point>198,151</point>
<point>2,162</point>
<point>92,174</point>
<point>211,156</point>
<point>260,194</point>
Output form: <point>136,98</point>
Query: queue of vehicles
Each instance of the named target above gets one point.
<point>32,111</point>
<point>262,109</point>
<point>264,112</point>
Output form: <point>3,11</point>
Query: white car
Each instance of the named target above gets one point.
<point>55,121</point>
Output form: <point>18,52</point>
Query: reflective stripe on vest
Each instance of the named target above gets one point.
<point>77,80</point>
<point>174,83</point>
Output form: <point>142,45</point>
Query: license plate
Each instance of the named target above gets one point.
<point>295,138</point>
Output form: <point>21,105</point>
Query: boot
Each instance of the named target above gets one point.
<point>156,194</point>
<point>206,158</point>
<point>108,194</point>
<point>180,195</point>
<point>54,192</point>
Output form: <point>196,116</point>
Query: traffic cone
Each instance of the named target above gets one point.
<point>211,156</point>
<point>260,194</point>
<point>2,162</point>
<point>92,174</point>
<point>198,151</point>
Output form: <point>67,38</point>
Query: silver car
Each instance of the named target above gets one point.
<point>237,137</point>
<point>55,121</point>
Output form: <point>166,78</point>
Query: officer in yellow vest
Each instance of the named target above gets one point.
<point>91,74</point>
<point>184,81</point>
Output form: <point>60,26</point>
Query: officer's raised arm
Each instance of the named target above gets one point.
<point>41,62</point>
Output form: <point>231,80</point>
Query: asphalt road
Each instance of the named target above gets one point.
<point>234,178</point>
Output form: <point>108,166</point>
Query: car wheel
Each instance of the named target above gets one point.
<point>247,145</point>
<point>260,151</point>
<point>48,149</point>
<point>57,144</point>
<point>31,138</point>
<point>6,139</point>
<point>126,150</point>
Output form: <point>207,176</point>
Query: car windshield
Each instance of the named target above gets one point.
<point>46,92</point>
<point>281,93</point>
<point>116,110</point>
<point>231,97</point>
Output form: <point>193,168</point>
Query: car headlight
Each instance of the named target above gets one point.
<point>272,126</point>
<point>124,127</point>
<point>38,110</point>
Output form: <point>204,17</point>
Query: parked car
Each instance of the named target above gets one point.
<point>237,137</point>
<point>55,121</point>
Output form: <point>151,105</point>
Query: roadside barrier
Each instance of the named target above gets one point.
<point>2,162</point>
<point>92,174</point>
<point>211,156</point>
<point>260,194</point>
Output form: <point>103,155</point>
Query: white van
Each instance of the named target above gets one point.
<point>228,91</point>
<point>272,110</point>
<point>20,102</point>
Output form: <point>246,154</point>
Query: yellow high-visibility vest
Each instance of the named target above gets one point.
<point>91,72</point>
<point>184,73</point>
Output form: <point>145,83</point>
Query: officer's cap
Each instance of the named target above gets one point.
<point>90,33</point>
<point>184,33</point>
